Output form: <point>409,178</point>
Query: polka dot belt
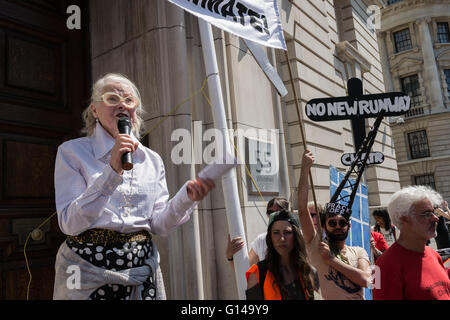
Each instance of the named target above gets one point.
<point>103,236</point>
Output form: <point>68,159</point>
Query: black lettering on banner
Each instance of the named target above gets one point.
<point>266,26</point>
<point>258,22</point>
<point>253,21</point>
<point>241,11</point>
<point>227,10</point>
<point>214,5</point>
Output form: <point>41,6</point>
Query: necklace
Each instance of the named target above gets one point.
<point>127,197</point>
<point>338,254</point>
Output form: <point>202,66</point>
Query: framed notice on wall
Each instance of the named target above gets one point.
<point>261,158</point>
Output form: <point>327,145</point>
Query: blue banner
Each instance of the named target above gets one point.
<point>359,234</point>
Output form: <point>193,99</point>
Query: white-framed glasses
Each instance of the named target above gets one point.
<point>112,99</point>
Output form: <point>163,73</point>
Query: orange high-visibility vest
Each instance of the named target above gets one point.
<point>271,292</point>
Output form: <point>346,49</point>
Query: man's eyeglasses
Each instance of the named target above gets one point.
<point>334,223</point>
<point>427,214</point>
<point>112,99</point>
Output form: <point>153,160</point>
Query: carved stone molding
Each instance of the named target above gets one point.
<point>379,3</point>
<point>423,20</point>
<point>349,54</point>
<point>381,34</point>
<point>415,61</point>
<point>410,3</point>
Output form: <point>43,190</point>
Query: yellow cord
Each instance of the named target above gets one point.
<point>175,108</point>
<point>25,253</point>
<point>237,152</point>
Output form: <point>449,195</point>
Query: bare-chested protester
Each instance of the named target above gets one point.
<point>343,270</point>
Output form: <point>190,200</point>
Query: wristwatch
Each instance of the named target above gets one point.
<point>230,259</point>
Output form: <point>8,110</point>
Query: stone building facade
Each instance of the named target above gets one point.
<point>415,44</point>
<point>158,46</point>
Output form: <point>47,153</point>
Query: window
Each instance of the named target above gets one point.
<point>410,86</point>
<point>418,144</point>
<point>443,32</point>
<point>447,79</point>
<point>426,180</point>
<point>402,40</point>
<point>392,1</point>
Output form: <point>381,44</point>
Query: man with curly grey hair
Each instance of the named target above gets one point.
<point>409,269</point>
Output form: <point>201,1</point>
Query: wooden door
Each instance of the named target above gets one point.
<point>44,86</point>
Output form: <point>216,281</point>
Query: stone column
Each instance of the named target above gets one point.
<point>186,275</point>
<point>386,67</point>
<point>431,75</point>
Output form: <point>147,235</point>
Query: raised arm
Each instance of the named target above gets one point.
<point>306,221</point>
<point>442,213</point>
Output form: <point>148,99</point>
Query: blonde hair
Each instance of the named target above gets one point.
<point>312,205</point>
<point>89,119</point>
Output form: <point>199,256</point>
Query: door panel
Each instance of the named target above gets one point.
<point>44,87</point>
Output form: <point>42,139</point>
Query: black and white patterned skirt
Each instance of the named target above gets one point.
<point>117,257</point>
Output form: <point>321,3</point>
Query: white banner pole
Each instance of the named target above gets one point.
<point>229,184</point>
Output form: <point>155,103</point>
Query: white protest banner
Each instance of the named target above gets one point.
<point>255,20</point>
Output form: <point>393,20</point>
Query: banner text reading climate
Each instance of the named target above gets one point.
<point>235,10</point>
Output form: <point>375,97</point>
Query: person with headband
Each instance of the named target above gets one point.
<point>343,270</point>
<point>109,214</point>
<point>285,273</point>
<point>258,246</point>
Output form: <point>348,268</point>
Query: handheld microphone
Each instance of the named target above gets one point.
<point>124,126</point>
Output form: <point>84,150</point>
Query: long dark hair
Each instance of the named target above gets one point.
<point>383,213</point>
<point>298,258</point>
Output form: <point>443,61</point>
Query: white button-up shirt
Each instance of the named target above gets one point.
<point>90,194</point>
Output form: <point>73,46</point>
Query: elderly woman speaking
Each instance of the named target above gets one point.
<point>109,213</point>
